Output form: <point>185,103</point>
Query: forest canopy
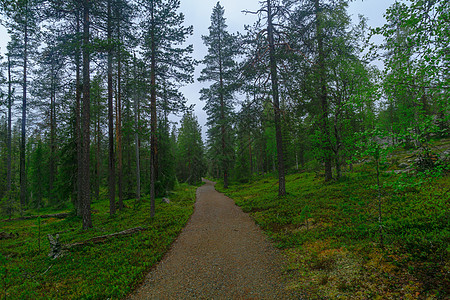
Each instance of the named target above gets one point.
<point>89,88</point>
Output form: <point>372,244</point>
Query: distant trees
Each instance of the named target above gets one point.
<point>190,151</point>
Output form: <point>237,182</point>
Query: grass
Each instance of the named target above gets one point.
<point>108,270</point>
<point>330,234</point>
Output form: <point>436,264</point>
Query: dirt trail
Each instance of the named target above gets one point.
<point>220,254</point>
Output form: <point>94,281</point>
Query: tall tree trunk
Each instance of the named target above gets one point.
<point>97,156</point>
<point>23,174</point>
<point>111,165</point>
<point>323,95</point>
<point>8,190</point>
<point>78,137</point>
<point>250,155</point>
<point>276,102</point>
<point>153,124</point>
<point>119,120</point>
<point>337,154</point>
<point>85,182</point>
<point>52,138</point>
<point>136,135</point>
<point>222,114</point>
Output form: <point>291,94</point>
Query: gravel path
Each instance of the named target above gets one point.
<point>220,254</point>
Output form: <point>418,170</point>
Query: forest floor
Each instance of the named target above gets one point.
<point>220,254</point>
<point>109,269</point>
<point>335,245</point>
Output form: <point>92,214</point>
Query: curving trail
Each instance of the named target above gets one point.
<point>220,254</point>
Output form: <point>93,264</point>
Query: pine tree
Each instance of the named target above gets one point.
<point>24,31</point>
<point>220,69</point>
<point>163,33</point>
<point>8,143</point>
<point>111,160</point>
<point>122,13</point>
<point>85,201</point>
<point>265,44</point>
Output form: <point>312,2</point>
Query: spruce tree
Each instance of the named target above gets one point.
<point>220,70</point>
<point>190,159</point>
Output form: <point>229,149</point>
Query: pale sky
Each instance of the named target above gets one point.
<point>198,14</point>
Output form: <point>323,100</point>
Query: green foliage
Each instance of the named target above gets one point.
<point>416,39</point>
<point>105,270</point>
<point>166,160</point>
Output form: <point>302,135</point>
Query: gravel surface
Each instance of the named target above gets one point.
<point>220,254</point>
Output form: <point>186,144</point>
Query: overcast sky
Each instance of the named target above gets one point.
<point>198,14</point>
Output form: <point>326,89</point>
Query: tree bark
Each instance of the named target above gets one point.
<point>78,137</point>
<point>52,136</point>
<point>8,189</point>
<point>276,102</point>
<point>23,174</point>
<point>222,114</point>
<point>119,122</point>
<point>153,124</point>
<point>85,182</point>
<point>111,161</point>
<point>136,126</point>
<point>97,156</point>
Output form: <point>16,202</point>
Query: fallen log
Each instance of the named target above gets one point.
<point>6,235</point>
<point>103,238</point>
<point>59,216</point>
<point>57,249</point>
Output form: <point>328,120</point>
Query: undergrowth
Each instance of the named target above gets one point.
<point>330,233</point>
<point>108,270</point>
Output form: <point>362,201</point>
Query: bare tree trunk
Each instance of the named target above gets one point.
<point>380,219</point>
<point>23,174</point>
<point>224,162</point>
<point>85,182</point>
<point>337,137</point>
<point>52,138</point>
<point>276,102</point>
<point>119,123</point>
<point>98,173</point>
<point>250,155</point>
<point>8,190</point>
<point>78,137</point>
<point>136,126</point>
<point>153,124</point>
<point>112,165</point>
<point>323,95</point>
